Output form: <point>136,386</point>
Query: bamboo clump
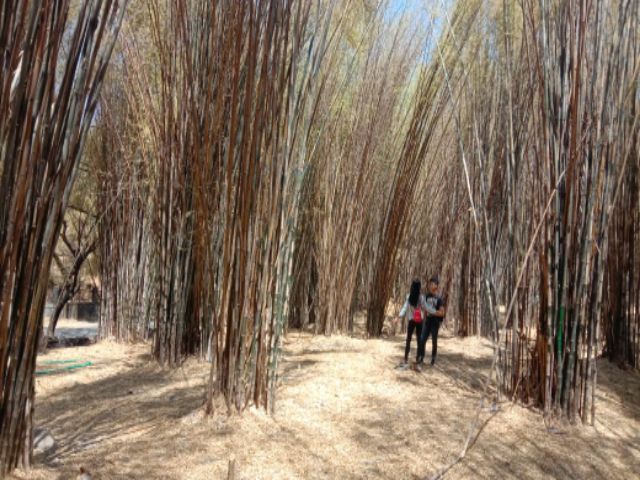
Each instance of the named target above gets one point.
<point>49,91</point>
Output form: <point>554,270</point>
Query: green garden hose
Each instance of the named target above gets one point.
<point>57,362</point>
<point>68,365</point>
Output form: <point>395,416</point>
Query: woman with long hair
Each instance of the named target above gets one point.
<point>413,311</point>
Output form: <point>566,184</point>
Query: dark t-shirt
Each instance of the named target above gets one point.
<point>434,302</point>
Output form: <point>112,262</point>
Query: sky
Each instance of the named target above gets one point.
<point>414,7</point>
<point>424,11</point>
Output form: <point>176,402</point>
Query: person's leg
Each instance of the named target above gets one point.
<point>420,353</point>
<point>434,341</point>
<point>423,341</point>
<point>407,346</point>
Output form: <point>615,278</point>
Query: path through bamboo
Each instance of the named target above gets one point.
<point>331,420</point>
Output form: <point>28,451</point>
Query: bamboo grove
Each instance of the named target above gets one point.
<point>546,139</point>
<point>484,163</point>
<point>201,226</point>
<point>52,71</point>
<point>272,165</point>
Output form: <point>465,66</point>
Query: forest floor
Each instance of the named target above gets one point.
<point>343,412</point>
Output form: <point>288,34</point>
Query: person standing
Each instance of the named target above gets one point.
<point>413,311</point>
<point>435,314</point>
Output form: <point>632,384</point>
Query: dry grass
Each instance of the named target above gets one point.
<point>343,411</point>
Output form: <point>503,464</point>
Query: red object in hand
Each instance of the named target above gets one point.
<point>417,315</point>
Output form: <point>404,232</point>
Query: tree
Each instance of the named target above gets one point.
<point>78,250</point>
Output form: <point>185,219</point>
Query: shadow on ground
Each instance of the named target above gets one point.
<point>122,407</point>
<point>346,412</point>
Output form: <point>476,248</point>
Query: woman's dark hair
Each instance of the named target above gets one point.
<point>414,293</point>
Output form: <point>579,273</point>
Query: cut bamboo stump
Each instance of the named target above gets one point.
<point>231,474</point>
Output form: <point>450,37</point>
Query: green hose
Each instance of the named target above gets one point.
<point>71,365</point>
<point>56,362</point>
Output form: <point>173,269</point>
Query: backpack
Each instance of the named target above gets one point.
<point>417,314</point>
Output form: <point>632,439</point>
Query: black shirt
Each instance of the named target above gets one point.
<point>434,302</point>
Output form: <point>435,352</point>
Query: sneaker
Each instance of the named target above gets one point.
<point>403,365</point>
<point>433,362</point>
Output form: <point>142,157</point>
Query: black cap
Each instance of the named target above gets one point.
<point>435,280</point>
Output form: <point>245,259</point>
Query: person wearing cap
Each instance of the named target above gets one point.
<point>435,313</point>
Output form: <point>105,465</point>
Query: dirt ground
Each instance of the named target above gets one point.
<point>343,412</point>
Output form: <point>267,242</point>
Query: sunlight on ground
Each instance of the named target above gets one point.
<point>343,411</point>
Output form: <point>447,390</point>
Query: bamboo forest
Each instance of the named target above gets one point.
<point>319,239</point>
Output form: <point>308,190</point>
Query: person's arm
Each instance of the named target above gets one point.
<point>442,311</point>
<point>427,308</point>
<point>403,312</point>
<point>423,303</point>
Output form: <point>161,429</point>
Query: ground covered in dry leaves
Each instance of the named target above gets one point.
<point>343,412</point>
